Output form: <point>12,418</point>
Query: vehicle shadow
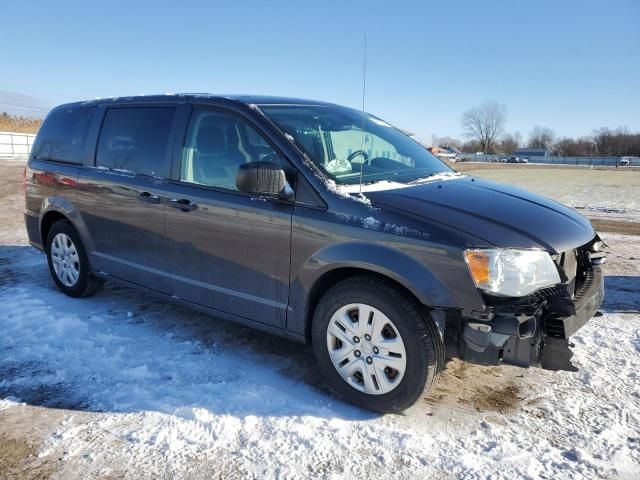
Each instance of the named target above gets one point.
<point>622,294</point>
<point>127,351</point>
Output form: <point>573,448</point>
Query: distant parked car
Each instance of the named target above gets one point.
<point>504,160</point>
<point>627,161</point>
<point>513,160</point>
<point>524,160</point>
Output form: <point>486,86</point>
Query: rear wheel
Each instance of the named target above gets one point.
<point>68,262</point>
<point>375,344</point>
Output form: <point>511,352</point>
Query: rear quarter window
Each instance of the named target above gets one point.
<point>136,139</point>
<point>63,135</point>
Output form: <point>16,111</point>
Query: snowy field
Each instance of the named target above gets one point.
<point>121,385</point>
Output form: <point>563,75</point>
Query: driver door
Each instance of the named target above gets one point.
<point>229,251</point>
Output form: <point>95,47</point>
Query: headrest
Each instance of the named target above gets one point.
<point>210,140</point>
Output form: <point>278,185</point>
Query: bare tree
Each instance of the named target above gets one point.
<point>485,123</point>
<point>471,146</point>
<point>541,137</point>
<point>446,141</point>
<point>603,141</point>
<point>602,138</point>
<point>518,138</point>
<point>621,142</point>
<point>510,142</point>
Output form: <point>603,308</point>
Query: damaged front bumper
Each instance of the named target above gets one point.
<point>535,330</point>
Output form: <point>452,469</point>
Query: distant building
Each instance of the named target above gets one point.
<point>444,152</point>
<point>531,152</point>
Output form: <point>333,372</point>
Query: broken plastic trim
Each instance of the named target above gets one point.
<point>534,330</point>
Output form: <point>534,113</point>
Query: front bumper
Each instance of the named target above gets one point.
<point>533,331</point>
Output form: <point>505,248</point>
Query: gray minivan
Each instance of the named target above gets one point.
<point>313,221</point>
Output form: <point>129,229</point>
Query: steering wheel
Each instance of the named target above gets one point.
<point>356,153</point>
<point>271,157</point>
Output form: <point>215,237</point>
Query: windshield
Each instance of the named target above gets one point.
<point>332,137</point>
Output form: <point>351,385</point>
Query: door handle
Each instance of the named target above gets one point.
<point>149,197</point>
<point>183,204</point>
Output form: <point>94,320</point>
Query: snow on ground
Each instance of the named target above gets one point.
<point>132,386</point>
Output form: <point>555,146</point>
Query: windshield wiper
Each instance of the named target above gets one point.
<point>433,176</point>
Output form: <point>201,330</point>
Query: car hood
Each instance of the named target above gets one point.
<point>502,215</point>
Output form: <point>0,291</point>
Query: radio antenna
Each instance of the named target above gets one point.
<point>364,86</point>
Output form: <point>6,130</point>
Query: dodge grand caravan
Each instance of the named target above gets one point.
<point>316,222</point>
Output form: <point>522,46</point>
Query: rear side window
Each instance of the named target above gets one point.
<point>63,136</point>
<point>136,140</point>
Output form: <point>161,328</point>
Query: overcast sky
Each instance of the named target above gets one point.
<point>570,65</point>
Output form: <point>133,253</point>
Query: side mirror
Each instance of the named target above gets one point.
<point>262,178</point>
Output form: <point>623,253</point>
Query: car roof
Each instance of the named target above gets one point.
<point>200,98</point>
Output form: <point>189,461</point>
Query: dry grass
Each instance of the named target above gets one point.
<point>614,226</point>
<point>12,123</point>
<point>608,196</point>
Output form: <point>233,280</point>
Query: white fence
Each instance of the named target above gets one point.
<point>16,144</point>
<point>595,161</point>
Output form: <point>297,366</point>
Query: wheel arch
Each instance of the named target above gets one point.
<point>48,220</point>
<point>339,262</point>
<point>59,208</point>
<point>336,275</point>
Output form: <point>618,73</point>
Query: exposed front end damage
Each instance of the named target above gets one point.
<point>535,330</point>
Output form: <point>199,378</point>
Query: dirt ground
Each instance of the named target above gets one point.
<point>462,388</point>
<point>11,193</point>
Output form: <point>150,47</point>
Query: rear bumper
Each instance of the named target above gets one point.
<point>32,224</point>
<point>534,331</point>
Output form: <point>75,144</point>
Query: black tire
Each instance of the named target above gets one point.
<point>423,344</point>
<point>87,283</point>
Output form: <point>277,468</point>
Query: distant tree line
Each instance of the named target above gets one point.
<point>18,124</point>
<point>484,126</point>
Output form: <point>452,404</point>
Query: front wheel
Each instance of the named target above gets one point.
<point>375,344</point>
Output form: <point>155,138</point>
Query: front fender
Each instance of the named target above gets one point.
<point>392,263</point>
<point>399,266</point>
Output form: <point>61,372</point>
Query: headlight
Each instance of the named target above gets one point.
<point>510,272</point>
